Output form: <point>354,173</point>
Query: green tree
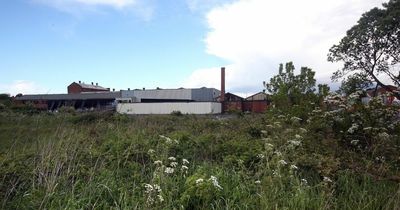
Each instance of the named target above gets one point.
<point>290,89</point>
<point>323,90</point>
<point>372,46</point>
<point>354,83</point>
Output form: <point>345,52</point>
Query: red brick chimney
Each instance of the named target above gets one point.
<point>222,97</point>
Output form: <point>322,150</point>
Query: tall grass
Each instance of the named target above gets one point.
<point>104,161</point>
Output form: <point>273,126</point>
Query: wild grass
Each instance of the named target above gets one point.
<point>104,161</point>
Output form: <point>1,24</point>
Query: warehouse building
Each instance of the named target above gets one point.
<point>154,101</point>
<point>81,87</point>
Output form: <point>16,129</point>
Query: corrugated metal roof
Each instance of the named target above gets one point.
<point>77,96</point>
<point>195,94</point>
<point>89,86</point>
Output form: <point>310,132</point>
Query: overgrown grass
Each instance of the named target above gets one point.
<point>104,161</point>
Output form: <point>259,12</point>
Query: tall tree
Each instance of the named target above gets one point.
<point>288,88</point>
<point>354,83</point>
<point>372,46</point>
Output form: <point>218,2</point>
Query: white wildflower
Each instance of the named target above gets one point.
<point>214,181</point>
<point>354,142</point>
<point>327,179</point>
<point>160,198</point>
<point>199,181</point>
<point>184,168</point>
<point>157,188</point>
<point>303,130</point>
<point>167,139</point>
<point>184,161</point>
<point>260,156</point>
<point>257,182</point>
<point>293,167</point>
<point>380,159</point>
<point>169,170</point>
<point>297,136</point>
<point>295,119</point>
<point>282,162</point>
<point>172,158</point>
<point>353,128</point>
<point>151,151</point>
<point>304,181</point>
<point>149,188</point>
<point>150,200</point>
<point>158,162</point>
<point>367,129</point>
<point>295,143</point>
<point>264,132</point>
<point>277,153</point>
<point>173,164</point>
<point>269,126</point>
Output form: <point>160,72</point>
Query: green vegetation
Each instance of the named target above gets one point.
<point>312,151</point>
<point>269,161</point>
<point>371,48</point>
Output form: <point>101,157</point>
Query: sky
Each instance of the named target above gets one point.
<point>47,44</point>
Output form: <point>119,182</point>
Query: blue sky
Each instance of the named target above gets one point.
<point>47,44</point>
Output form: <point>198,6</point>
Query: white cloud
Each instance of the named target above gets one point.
<point>254,36</point>
<point>199,5</point>
<point>141,8</point>
<point>22,86</point>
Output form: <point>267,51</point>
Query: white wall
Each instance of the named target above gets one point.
<point>167,108</point>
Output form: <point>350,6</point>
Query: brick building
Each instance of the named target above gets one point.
<point>83,88</point>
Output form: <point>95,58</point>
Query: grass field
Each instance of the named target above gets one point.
<point>111,161</point>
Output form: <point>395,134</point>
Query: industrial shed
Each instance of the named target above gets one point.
<point>170,107</point>
<point>78,101</point>
<point>81,87</point>
<point>172,95</point>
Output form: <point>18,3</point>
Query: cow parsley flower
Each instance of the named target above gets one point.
<point>297,136</point>
<point>199,181</point>
<point>257,182</point>
<point>157,188</point>
<point>303,130</point>
<point>295,142</point>
<point>295,119</point>
<point>169,170</point>
<point>184,161</point>
<point>158,162</point>
<point>282,162</point>
<point>327,179</point>
<point>172,158</point>
<point>214,181</point>
<point>354,141</point>
<point>184,168</point>
<point>160,198</point>
<point>304,181</point>
<point>353,128</point>
<point>151,151</point>
<point>173,164</point>
<point>260,156</point>
<point>293,167</point>
<point>149,188</point>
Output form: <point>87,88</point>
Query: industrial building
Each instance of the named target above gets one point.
<point>153,101</point>
<point>81,87</point>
